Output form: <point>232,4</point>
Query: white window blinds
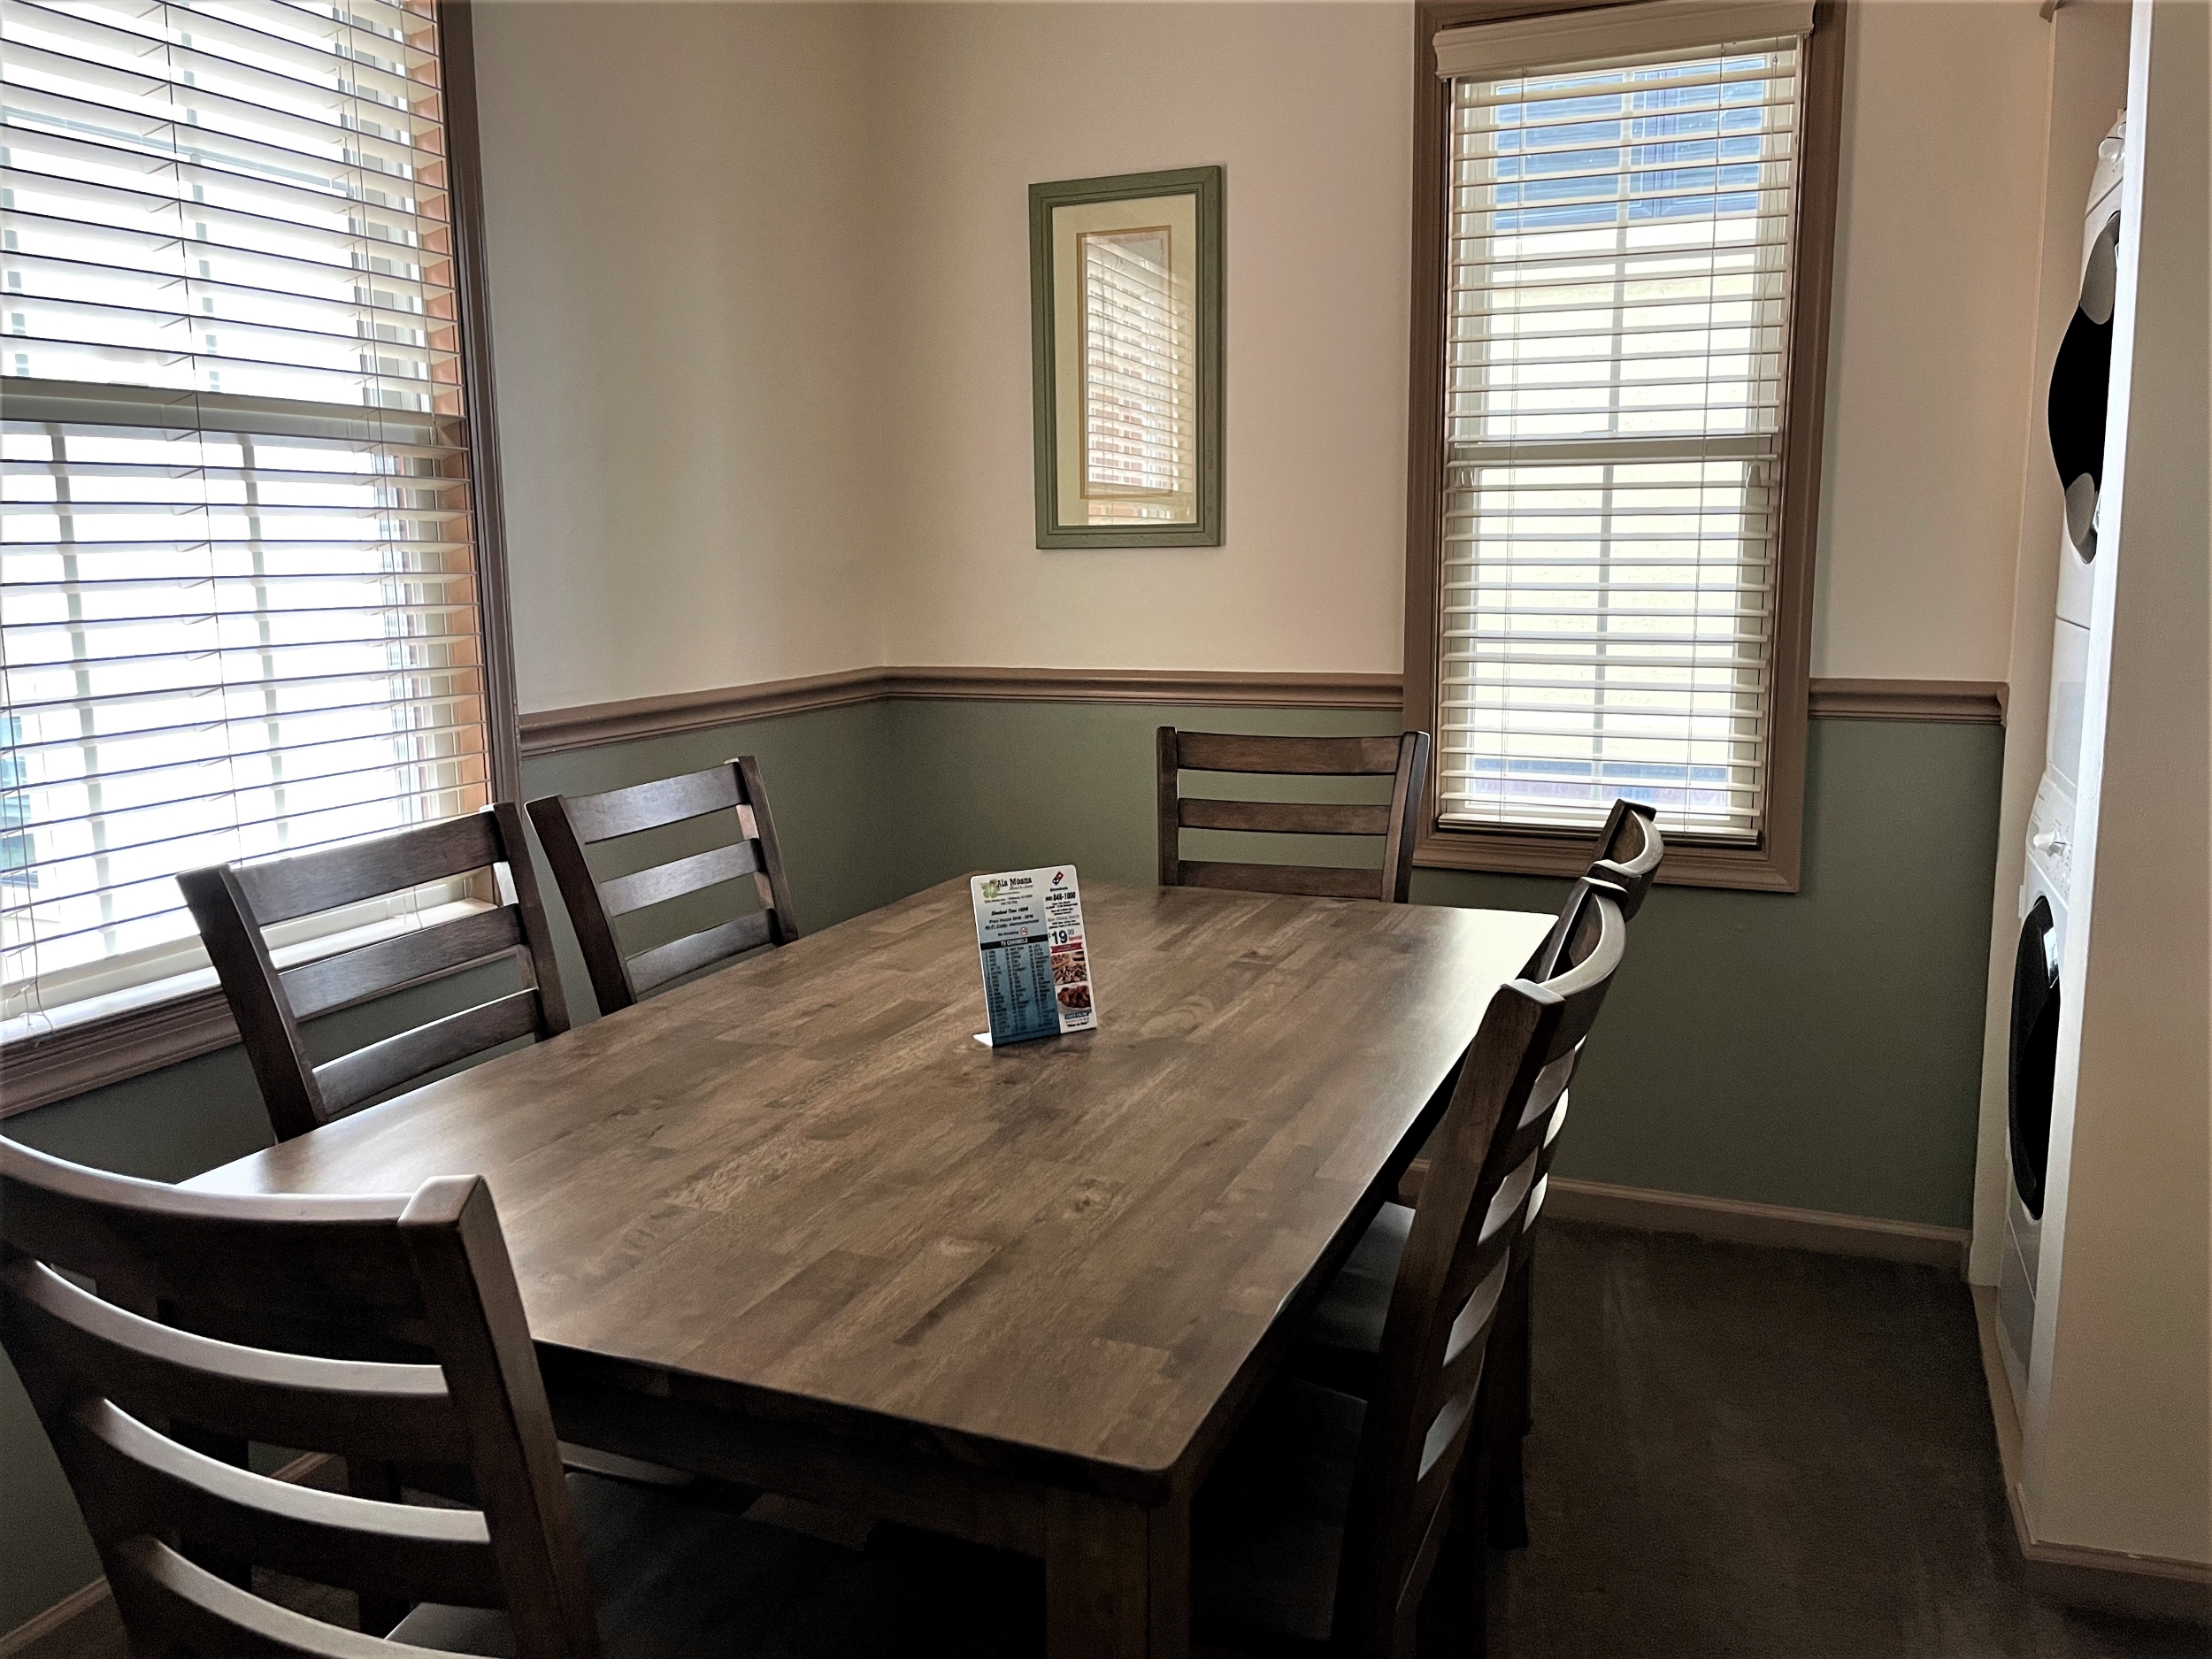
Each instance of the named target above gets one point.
<point>238,606</point>
<point>1616,346</point>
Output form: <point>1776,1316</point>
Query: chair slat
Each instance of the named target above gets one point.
<point>663,962</point>
<point>1312,881</point>
<point>381,1066</point>
<point>568,824</point>
<point>1472,1321</point>
<point>1308,757</point>
<point>301,884</point>
<point>156,1371</point>
<point>643,806</point>
<point>624,894</point>
<point>1403,758</point>
<point>157,1589</point>
<point>424,1554</point>
<point>170,1243</point>
<point>235,904</point>
<point>373,970</point>
<point>1295,817</point>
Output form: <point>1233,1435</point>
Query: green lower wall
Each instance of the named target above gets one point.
<point>1821,1048</point>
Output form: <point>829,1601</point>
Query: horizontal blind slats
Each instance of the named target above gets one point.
<point>1615,353</point>
<point>238,603</point>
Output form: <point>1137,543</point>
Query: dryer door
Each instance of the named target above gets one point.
<point>2034,1053</point>
<point>2081,383</point>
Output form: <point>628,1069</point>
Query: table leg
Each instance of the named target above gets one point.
<point>1116,1578</point>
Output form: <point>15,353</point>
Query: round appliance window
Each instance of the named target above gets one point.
<point>2081,382</point>
<point>2034,1053</point>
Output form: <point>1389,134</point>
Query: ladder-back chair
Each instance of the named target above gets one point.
<point>428,1273</point>
<point>235,904</point>
<point>567,824</point>
<point>1628,850</point>
<point>1443,1294</point>
<point>1403,758</point>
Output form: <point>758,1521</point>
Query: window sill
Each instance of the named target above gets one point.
<point>160,1025</point>
<point>1762,868</point>
<point>125,1034</point>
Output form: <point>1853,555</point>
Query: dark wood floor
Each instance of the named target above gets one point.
<point>1743,1454</point>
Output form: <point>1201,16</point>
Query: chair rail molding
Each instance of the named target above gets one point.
<point>554,731</point>
<point>155,1032</point>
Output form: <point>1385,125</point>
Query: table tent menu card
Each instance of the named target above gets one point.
<point>1036,968</point>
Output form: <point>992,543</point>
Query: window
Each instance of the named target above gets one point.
<point>240,603</point>
<point>1614,579</point>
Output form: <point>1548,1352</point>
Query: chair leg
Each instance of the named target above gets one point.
<point>1504,1507</point>
<point>225,1448</point>
<point>1455,1612</point>
<point>371,1478</point>
<point>1524,1317</point>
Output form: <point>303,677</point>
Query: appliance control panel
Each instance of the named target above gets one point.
<point>2051,832</point>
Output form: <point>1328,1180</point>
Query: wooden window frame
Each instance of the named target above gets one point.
<point>145,1035</point>
<point>1773,863</point>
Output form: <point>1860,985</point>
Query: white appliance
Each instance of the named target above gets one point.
<point>2081,382</point>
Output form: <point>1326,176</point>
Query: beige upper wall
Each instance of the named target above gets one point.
<point>1308,108</point>
<point>763,334</point>
<point>1939,236</point>
<point>676,268</point>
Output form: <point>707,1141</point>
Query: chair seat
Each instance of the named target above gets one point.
<point>676,1580</point>
<point>1341,1344</point>
<point>1268,1528</point>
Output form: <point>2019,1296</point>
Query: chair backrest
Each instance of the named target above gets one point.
<point>233,903</point>
<point>1405,758</point>
<point>1452,1273</point>
<point>567,824</point>
<point>429,1273</point>
<point>1628,850</point>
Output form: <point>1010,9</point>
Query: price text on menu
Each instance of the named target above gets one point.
<point>1036,965</point>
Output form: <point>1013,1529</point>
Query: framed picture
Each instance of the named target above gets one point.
<point>1124,286</point>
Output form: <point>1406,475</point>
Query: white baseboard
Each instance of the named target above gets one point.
<point>2146,1586</point>
<point>82,1603</point>
<point>1739,1221</point>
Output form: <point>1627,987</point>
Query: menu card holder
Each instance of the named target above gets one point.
<point>1036,962</point>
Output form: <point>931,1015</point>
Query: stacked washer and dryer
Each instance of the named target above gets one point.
<point>2080,382</point>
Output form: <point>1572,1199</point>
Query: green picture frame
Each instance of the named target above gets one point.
<point>1146,472</point>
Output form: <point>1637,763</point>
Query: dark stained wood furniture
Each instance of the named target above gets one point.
<point>1403,758</point>
<point>233,903</point>
<point>1630,848</point>
<point>789,1223</point>
<point>427,1270</point>
<point>567,824</point>
<point>1386,1519</point>
<point>1342,1343</point>
<point>512,1569</point>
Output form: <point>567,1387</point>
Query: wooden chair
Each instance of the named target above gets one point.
<point>568,824</point>
<point>1405,758</point>
<point>1354,1492</point>
<point>233,903</point>
<point>1628,850</point>
<point>1342,1341</point>
<point>296,1280</point>
<point>430,1270</point>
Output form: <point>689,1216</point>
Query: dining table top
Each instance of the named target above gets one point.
<point>801,1180</point>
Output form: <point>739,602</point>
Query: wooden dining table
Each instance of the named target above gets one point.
<point>791,1224</point>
